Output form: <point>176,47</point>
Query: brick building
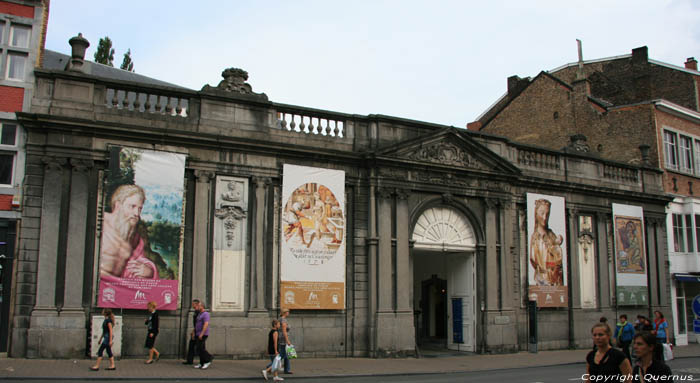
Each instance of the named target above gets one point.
<point>428,225</point>
<point>611,108</point>
<point>22,35</point>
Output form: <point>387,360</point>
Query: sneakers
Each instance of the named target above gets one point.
<point>197,366</point>
<point>206,365</point>
<point>278,379</point>
<point>264,374</point>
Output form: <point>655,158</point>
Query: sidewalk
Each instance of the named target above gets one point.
<point>332,367</point>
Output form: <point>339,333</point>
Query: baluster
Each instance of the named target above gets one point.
<point>178,107</point>
<point>302,126</point>
<point>115,100</point>
<point>147,105</point>
<point>336,129</point>
<point>125,101</point>
<point>283,121</point>
<point>293,124</point>
<point>312,127</point>
<point>137,102</point>
<point>168,105</point>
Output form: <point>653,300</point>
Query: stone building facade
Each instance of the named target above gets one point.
<point>610,108</point>
<point>435,215</point>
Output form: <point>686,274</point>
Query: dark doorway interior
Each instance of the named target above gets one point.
<point>434,312</point>
<point>7,251</point>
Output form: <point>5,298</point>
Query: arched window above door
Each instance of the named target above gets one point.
<point>443,228</point>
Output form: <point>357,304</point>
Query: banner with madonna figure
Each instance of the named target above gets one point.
<point>630,255</point>
<point>140,244</point>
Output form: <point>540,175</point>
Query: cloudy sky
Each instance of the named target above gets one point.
<point>437,61</point>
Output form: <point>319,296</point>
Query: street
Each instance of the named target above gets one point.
<point>685,367</point>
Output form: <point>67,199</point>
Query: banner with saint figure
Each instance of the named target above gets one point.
<point>313,239</point>
<point>547,259</point>
<point>140,245</point>
<point>630,257</point>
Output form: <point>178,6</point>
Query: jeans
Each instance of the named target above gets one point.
<point>201,346</point>
<point>282,349</point>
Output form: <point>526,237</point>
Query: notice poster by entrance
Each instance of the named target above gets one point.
<point>630,255</point>
<point>312,270</point>
<point>141,241</point>
<point>547,258</point>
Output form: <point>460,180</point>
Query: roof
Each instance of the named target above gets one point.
<point>651,61</point>
<point>57,61</point>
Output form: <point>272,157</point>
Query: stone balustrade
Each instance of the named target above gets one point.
<point>538,159</point>
<point>311,122</point>
<point>152,101</point>
<point>620,173</point>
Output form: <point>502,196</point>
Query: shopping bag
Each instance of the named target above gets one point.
<point>291,352</point>
<point>668,352</point>
<point>276,363</point>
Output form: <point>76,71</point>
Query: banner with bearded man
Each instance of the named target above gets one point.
<point>140,244</point>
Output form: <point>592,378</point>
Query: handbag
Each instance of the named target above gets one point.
<point>276,363</point>
<point>668,352</point>
<point>291,351</point>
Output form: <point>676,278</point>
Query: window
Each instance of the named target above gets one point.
<point>697,157</point>
<point>678,233</point>
<point>671,155</point>
<point>2,31</point>
<point>8,152</point>
<point>697,231</point>
<point>15,66</point>
<point>19,36</point>
<point>686,154</point>
<point>680,309</point>
<point>689,232</point>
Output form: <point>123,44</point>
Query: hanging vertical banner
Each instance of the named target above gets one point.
<point>546,229</point>
<point>630,257</point>
<point>141,241</point>
<point>312,270</point>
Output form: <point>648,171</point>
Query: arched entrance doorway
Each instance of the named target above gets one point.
<point>444,283</point>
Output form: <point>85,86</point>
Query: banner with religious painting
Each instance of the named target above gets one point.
<point>547,257</point>
<point>140,245</point>
<point>630,255</point>
<point>312,270</point>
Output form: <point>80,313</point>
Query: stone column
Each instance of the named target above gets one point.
<point>507,273</point>
<point>49,237</point>
<point>384,276</point>
<point>200,242</point>
<point>492,271</point>
<point>574,283</point>
<point>403,287</point>
<point>604,260</point>
<point>77,226</point>
<point>257,271</point>
<point>44,318</point>
<point>372,244</point>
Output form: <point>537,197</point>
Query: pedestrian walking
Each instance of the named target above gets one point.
<point>661,328</point>
<point>605,363</point>
<point>106,341</point>
<point>273,352</point>
<point>624,333</point>
<point>650,366</point>
<point>202,333</point>
<point>284,341</point>
<point>153,325</point>
<point>192,345</point>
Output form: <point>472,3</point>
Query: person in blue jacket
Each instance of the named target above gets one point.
<point>624,333</point>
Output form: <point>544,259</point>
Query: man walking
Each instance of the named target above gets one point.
<point>201,330</point>
<point>192,346</point>
<point>624,333</point>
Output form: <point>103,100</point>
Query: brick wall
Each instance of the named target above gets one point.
<point>16,9</point>
<point>11,99</point>
<point>676,182</point>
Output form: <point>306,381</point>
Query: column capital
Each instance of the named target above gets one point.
<point>492,203</point>
<point>261,182</point>
<point>203,176</point>
<point>402,194</point>
<point>385,192</point>
<point>81,165</point>
<point>53,163</point>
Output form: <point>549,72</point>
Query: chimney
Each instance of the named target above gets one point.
<point>474,126</point>
<point>78,45</point>
<point>691,63</point>
<point>640,55</point>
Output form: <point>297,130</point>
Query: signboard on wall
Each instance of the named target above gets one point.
<point>312,269</point>
<point>547,257</point>
<point>140,245</point>
<point>630,255</point>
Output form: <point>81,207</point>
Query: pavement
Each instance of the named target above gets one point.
<point>228,369</point>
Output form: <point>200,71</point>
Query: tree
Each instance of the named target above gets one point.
<point>105,52</point>
<point>127,64</point>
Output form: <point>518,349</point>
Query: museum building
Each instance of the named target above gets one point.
<point>384,236</point>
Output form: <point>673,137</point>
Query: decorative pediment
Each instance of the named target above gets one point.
<point>234,85</point>
<point>449,147</point>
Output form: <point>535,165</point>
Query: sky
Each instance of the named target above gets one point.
<point>436,61</point>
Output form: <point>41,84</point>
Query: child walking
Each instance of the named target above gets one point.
<point>107,340</point>
<point>273,351</point>
<point>152,323</point>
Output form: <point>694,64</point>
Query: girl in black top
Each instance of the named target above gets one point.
<point>152,323</point>
<point>106,341</point>
<point>272,350</point>
<point>650,366</point>
<point>606,363</point>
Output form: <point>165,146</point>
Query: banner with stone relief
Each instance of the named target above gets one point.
<point>547,257</point>
<point>630,255</point>
<point>140,246</point>
<point>312,269</point>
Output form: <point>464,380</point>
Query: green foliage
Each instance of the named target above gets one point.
<point>127,64</point>
<point>165,234</point>
<point>125,175</point>
<point>105,52</point>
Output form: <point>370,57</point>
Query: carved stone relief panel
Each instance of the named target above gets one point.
<point>587,261</point>
<point>230,231</point>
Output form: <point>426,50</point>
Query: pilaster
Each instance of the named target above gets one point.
<point>200,241</point>
<point>257,271</point>
<point>403,280</point>
<point>492,270</point>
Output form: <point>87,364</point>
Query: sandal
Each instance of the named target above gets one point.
<point>149,361</point>
<point>111,368</point>
<point>94,369</point>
